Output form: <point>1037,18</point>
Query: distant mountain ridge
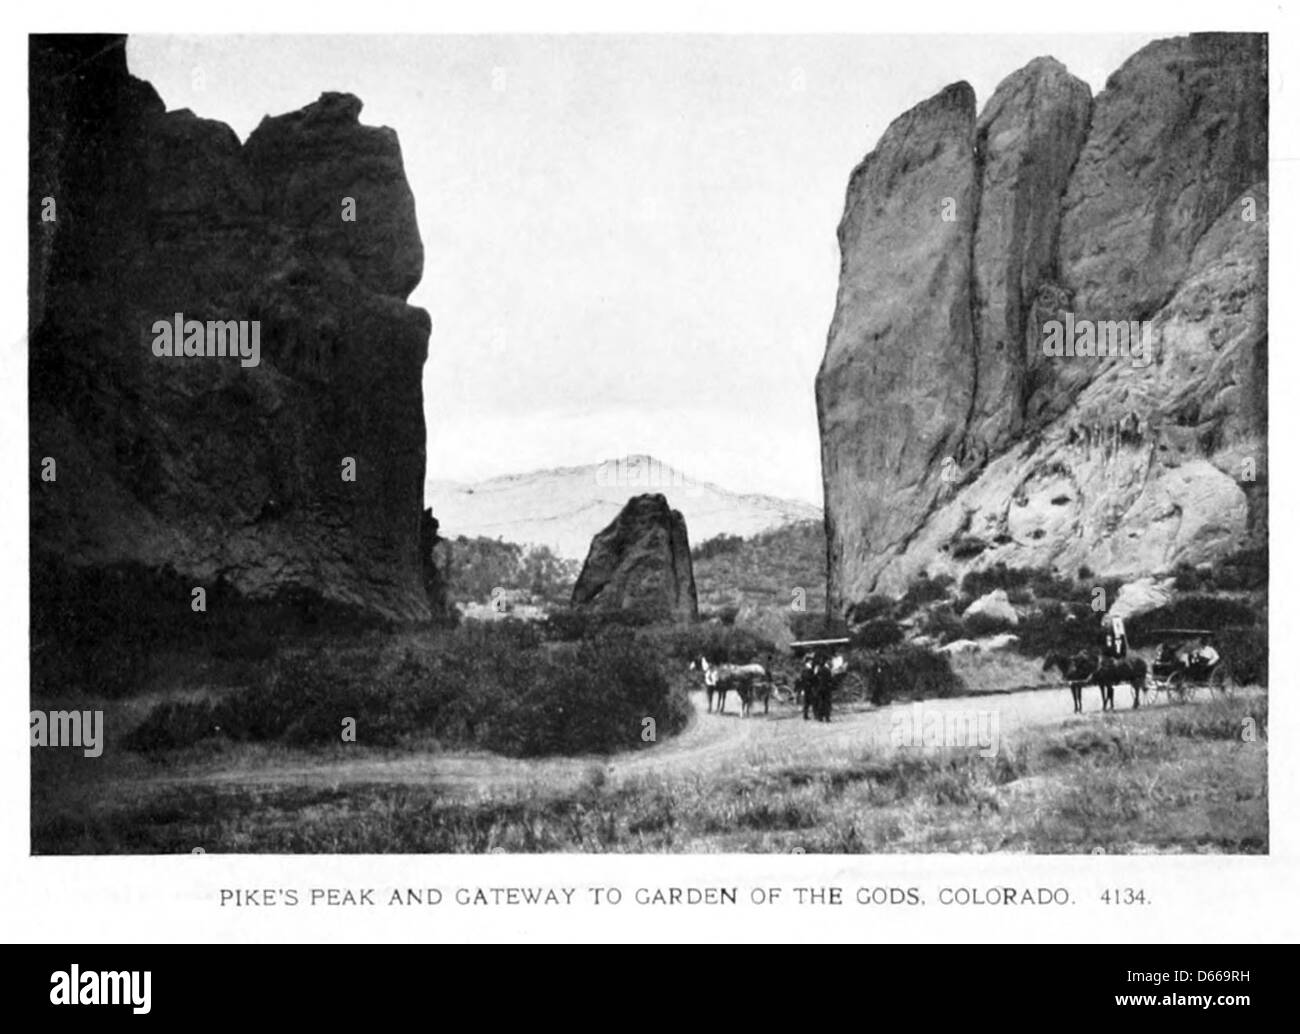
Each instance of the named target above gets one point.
<point>564,507</point>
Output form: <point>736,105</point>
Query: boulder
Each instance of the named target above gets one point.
<point>1140,597</point>
<point>994,605</point>
<point>641,562</point>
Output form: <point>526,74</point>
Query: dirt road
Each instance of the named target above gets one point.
<point>712,742</point>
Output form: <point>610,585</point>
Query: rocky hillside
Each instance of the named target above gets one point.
<point>564,507</point>
<point>291,478</point>
<point>951,439</point>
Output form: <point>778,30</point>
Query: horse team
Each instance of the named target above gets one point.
<point>814,686</point>
<point>1100,670</point>
<point>745,679</point>
<point>817,679</point>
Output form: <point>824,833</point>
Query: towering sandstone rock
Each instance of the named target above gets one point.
<point>201,471</point>
<point>641,562</point>
<point>943,420</point>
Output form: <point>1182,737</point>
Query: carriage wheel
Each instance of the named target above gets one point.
<point>854,687</point>
<point>1221,679</point>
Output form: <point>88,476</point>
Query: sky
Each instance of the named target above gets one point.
<point>629,240</point>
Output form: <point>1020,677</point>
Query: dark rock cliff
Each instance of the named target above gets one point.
<point>205,470</point>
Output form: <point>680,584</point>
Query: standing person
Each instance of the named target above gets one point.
<point>1116,639</point>
<point>825,683</point>
<point>808,684</point>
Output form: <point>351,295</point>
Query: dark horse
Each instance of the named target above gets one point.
<point>1114,670</point>
<point>1088,669</point>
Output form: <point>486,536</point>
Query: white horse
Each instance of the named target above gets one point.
<point>741,677</point>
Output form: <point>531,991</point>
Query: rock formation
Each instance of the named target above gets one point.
<point>209,470</point>
<point>945,421</point>
<point>996,605</point>
<point>641,562</point>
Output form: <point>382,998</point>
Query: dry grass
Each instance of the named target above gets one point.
<point>1164,779</point>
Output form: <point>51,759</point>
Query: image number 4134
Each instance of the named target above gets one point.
<point>1124,896</point>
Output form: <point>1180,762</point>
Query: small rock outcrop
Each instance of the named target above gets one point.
<point>953,438</point>
<point>994,605</point>
<point>1141,597</point>
<point>641,562</point>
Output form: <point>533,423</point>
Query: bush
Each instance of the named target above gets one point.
<point>1196,611</point>
<point>717,546</point>
<point>174,724</point>
<point>495,686</point>
<point>719,643</point>
<point>977,625</point>
<point>876,635</point>
<point>870,609</point>
<point>905,673</point>
<point>725,615</point>
<point>1189,579</point>
<point>570,624</point>
<point>923,590</point>
<point>1244,652</point>
<point>967,546</point>
<point>1247,569</point>
<point>1059,628</point>
<point>942,623</point>
<point>817,625</point>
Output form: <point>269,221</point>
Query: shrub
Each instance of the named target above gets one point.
<point>1059,628</point>
<point>495,686</point>
<point>1247,569</point>
<point>1244,652</point>
<point>719,643</point>
<point>1188,579</point>
<point>725,615</point>
<point>977,625</point>
<point>174,724</point>
<point>817,625</point>
<point>1196,611</point>
<point>905,673</point>
<point>717,546</point>
<point>876,635</point>
<point>967,546</point>
<point>869,609</point>
<point>923,590</point>
<point>570,624</point>
<point>943,623</point>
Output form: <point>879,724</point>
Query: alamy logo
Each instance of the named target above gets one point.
<point>181,337</point>
<point>124,987</point>
<point>83,729</point>
<point>1088,339</point>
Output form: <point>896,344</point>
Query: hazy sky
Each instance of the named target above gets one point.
<point>629,240</point>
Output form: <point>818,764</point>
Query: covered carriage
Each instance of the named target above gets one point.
<point>1178,670</point>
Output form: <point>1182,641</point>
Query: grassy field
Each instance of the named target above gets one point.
<point>1176,778</point>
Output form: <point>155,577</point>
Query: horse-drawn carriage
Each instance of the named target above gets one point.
<point>1177,672</point>
<point>824,673</point>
